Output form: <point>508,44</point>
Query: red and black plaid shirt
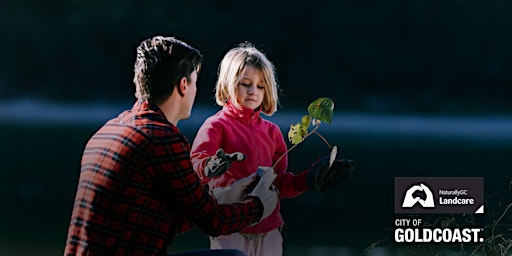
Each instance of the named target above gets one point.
<point>137,189</point>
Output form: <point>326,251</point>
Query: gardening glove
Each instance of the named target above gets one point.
<point>219,163</point>
<point>262,188</point>
<point>234,192</point>
<point>322,177</point>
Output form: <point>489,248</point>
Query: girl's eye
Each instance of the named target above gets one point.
<point>260,87</point>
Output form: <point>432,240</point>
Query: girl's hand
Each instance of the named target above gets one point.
<point>220,163</point>
<point>323,175</point>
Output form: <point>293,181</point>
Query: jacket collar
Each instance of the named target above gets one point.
<point>243,114</point>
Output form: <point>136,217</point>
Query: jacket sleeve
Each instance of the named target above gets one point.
<point>289,184</point>
<point>179,185</point>
<point>183,224</point>
<point>207,142</point>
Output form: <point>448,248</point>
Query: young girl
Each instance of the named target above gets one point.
<point>245,88</point>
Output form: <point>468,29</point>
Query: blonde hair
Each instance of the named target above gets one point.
<point>230,72</point>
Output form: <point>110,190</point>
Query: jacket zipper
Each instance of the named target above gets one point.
<point>256,146</point>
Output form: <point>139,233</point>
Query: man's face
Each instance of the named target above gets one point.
<point>190,95</point>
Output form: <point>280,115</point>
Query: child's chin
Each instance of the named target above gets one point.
<point>252,105</point>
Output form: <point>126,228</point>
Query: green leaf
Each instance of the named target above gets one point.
<point>306,120</point>
<point>297,133</point>
<point>322,109</point>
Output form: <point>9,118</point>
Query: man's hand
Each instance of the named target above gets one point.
<point>322,177</point>
<point>219,163</point>
<point>262,188</point>
<point>233,193</point>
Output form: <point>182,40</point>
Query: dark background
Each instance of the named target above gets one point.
<point>422,89</point>
<point>387,56</point>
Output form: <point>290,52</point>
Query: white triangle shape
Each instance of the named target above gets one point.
<point>480,210</point>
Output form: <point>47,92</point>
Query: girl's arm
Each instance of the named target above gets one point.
<point>206,143</point>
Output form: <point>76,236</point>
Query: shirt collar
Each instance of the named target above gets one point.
<point>141,105</point>
<point>242,113</point>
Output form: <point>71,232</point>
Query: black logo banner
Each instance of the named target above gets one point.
<point>439,195</point>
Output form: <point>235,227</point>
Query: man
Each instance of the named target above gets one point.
<point>137,188</point>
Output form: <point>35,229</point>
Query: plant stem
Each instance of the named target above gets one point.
<point>501,217</point>
<point>295,145</point>
<point>322,137</point>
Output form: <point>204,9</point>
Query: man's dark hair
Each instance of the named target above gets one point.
<point>160,65</point>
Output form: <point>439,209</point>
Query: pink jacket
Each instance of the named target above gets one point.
<point>243,130</point>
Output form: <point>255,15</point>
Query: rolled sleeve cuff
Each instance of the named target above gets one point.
<point>301,181</point>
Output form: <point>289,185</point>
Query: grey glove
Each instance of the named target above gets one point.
<point>322,177</point>
<point>261,188</point>
<point>219,163</point>
<point>233,193</point>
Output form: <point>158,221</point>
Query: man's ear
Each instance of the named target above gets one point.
<point>182,86</point>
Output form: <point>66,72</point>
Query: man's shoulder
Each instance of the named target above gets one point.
<point>146,126</point>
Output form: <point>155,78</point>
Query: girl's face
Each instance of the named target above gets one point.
<point>251,89</point>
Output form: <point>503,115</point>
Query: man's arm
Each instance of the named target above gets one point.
<point>178,182</point>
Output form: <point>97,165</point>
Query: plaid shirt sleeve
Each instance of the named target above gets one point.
<point>178,182</point>
<point>176,177</point>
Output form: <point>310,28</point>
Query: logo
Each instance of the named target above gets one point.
<point>420,195</point>
<point>439,195</point>
<point>410,201</point>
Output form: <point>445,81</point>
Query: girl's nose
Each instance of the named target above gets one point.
<point>251,90</point>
